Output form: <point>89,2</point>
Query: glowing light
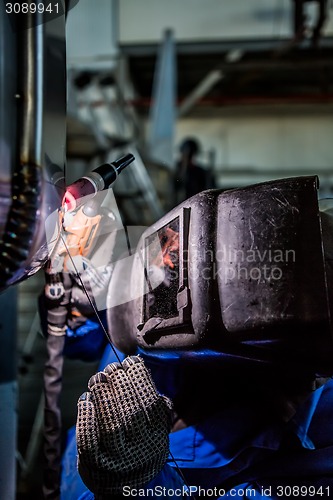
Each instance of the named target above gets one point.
<point>68,202</point>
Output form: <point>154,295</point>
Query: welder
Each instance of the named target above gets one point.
<point>245,357</point>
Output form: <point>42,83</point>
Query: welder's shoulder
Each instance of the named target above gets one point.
<point>321,427</point>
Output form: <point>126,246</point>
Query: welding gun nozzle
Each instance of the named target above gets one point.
<point>109,171</point>
<point>100,178</point>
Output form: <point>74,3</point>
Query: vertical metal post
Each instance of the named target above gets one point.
<point>115,24</point>
<point>8,300</point>
<point>8,111</point>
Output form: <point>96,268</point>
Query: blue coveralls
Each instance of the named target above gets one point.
<point>231,453</point>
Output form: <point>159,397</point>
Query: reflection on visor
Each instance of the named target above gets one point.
<point>162,257</point>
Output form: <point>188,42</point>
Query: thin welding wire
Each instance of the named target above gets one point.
<point>181,474</point>
<point>114,350</point>
<point>90,301</point>
<point>102,326</point>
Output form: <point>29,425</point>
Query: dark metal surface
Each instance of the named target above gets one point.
<point>31,92</point>
<point>26,182</point>
<point>8,393</point>
<point>8,78</point>
<point>28,186</point>
<point>272,275</point>
<point>269,250</point>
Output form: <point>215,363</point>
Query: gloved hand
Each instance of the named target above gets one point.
<point>122,429</point>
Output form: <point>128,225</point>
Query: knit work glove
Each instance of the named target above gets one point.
<point>122,429</point>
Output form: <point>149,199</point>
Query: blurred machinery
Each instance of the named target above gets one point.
<point>101,102</point>
<point>113,129</point>
<point>301,22</point>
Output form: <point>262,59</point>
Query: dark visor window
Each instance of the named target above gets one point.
<point>162,261</point>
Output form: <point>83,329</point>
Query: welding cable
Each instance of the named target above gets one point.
<point>21,220</point>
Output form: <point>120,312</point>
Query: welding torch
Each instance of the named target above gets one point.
<point>97,180</point>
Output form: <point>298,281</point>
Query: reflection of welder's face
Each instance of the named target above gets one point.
<point>167,252</point>
<point>169,247</point>
<point>164,258</point>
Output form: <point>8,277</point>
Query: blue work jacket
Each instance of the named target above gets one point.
<point>230,456</point>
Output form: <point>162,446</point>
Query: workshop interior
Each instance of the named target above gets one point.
<point>166,174</point>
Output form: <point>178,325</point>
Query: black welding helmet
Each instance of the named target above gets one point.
<point>239,275</point>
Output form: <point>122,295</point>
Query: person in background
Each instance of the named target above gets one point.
<point>190,177</point>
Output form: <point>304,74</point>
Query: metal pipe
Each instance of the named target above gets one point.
<point>32,98</point>
<point>23,215</point>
